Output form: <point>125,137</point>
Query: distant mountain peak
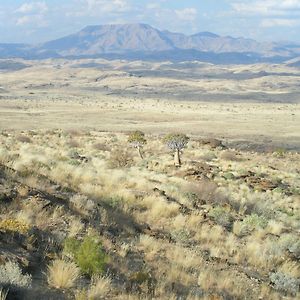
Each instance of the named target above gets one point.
<point>142,40</point>
<point>206,34</point>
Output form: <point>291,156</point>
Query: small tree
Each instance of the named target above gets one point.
<point>137,140</point>
<point>176,142</point>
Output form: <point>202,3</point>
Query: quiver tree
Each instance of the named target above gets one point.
<point>137,140</point>
<point>176,142</point>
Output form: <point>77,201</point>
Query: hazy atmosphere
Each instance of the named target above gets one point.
<point>39,21</point>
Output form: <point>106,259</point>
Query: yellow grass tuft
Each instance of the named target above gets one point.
<point>62,274</point>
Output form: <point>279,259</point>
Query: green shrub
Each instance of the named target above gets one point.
<point>249,224</point>
<point>88,254</point>
<point>255,221</point>
<point>221,216</point>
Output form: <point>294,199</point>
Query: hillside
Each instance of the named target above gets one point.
<point>83,217</point>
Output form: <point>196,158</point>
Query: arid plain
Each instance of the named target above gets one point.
<point>257,103</point>
<point>83,215</point>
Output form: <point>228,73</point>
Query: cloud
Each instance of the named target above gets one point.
<point>36,20</point>
<point>279,22</point>
<point>93,7</point>
<point>268,7</point>
<point>32,13</point>
<point>187,14</point>
<point>33,8</point>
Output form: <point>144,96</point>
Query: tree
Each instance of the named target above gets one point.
<point>137,140</point>
<point>176,142</point>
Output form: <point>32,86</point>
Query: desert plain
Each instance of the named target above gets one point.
<point>83,216</point>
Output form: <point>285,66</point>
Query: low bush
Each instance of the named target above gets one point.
<point>88,254</point>
<point>82,204</point>
<point>101,147</point>
<point>229,155</point>
<point>204,192</point>
<point>285,283</point>
<point>222,216</point>
<point>24,139</point>
<point>249,224</point>
<point>120,159</point>
<point>11,276</point>
<point>14,225</point>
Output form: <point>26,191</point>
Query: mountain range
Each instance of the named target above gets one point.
<point>142,41</point>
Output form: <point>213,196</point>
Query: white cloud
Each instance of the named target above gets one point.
<point>279,22</point>
<point>268,7</point>
<point>107,6</point>
<point>187,14</point>
<point>100,8</point>
<point>36,20</point>
<point>33,7</point>
<point>32,13</point>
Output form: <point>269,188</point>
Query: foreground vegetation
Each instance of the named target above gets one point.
<point>86,216</point>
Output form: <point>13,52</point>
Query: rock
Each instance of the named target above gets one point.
<point>197,171</point>
<point>213,143</point>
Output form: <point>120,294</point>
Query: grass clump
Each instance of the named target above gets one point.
<point>3,294</point>
<point>62,274</point>
<point>99,288</point>
<point>87,254</point>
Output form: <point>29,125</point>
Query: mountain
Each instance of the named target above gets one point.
<point>141,41</point>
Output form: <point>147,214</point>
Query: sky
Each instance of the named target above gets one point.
<point>37,21</point>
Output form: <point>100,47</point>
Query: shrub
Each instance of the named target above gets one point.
<point>14,225</point>
<point>221,216</point>
<point>203,192</point>
<point>101,147</point>
<point>11,276</point>
<point>24,139</point>
<point>229,155</point>
<point>208,156</point>
<point>249,224</point>
<point>88,254</point>
<point>285,283</point>
<point>83,204</point>
<point>120,159</point>
<point>62,274</point>
<point>73,144</point>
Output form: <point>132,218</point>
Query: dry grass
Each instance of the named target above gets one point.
<point>99,288</point>
<point>150,216</point>
<point>3,294</point>
<point>62,274</point>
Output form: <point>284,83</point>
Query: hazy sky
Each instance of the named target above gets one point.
<point>38,21</point>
